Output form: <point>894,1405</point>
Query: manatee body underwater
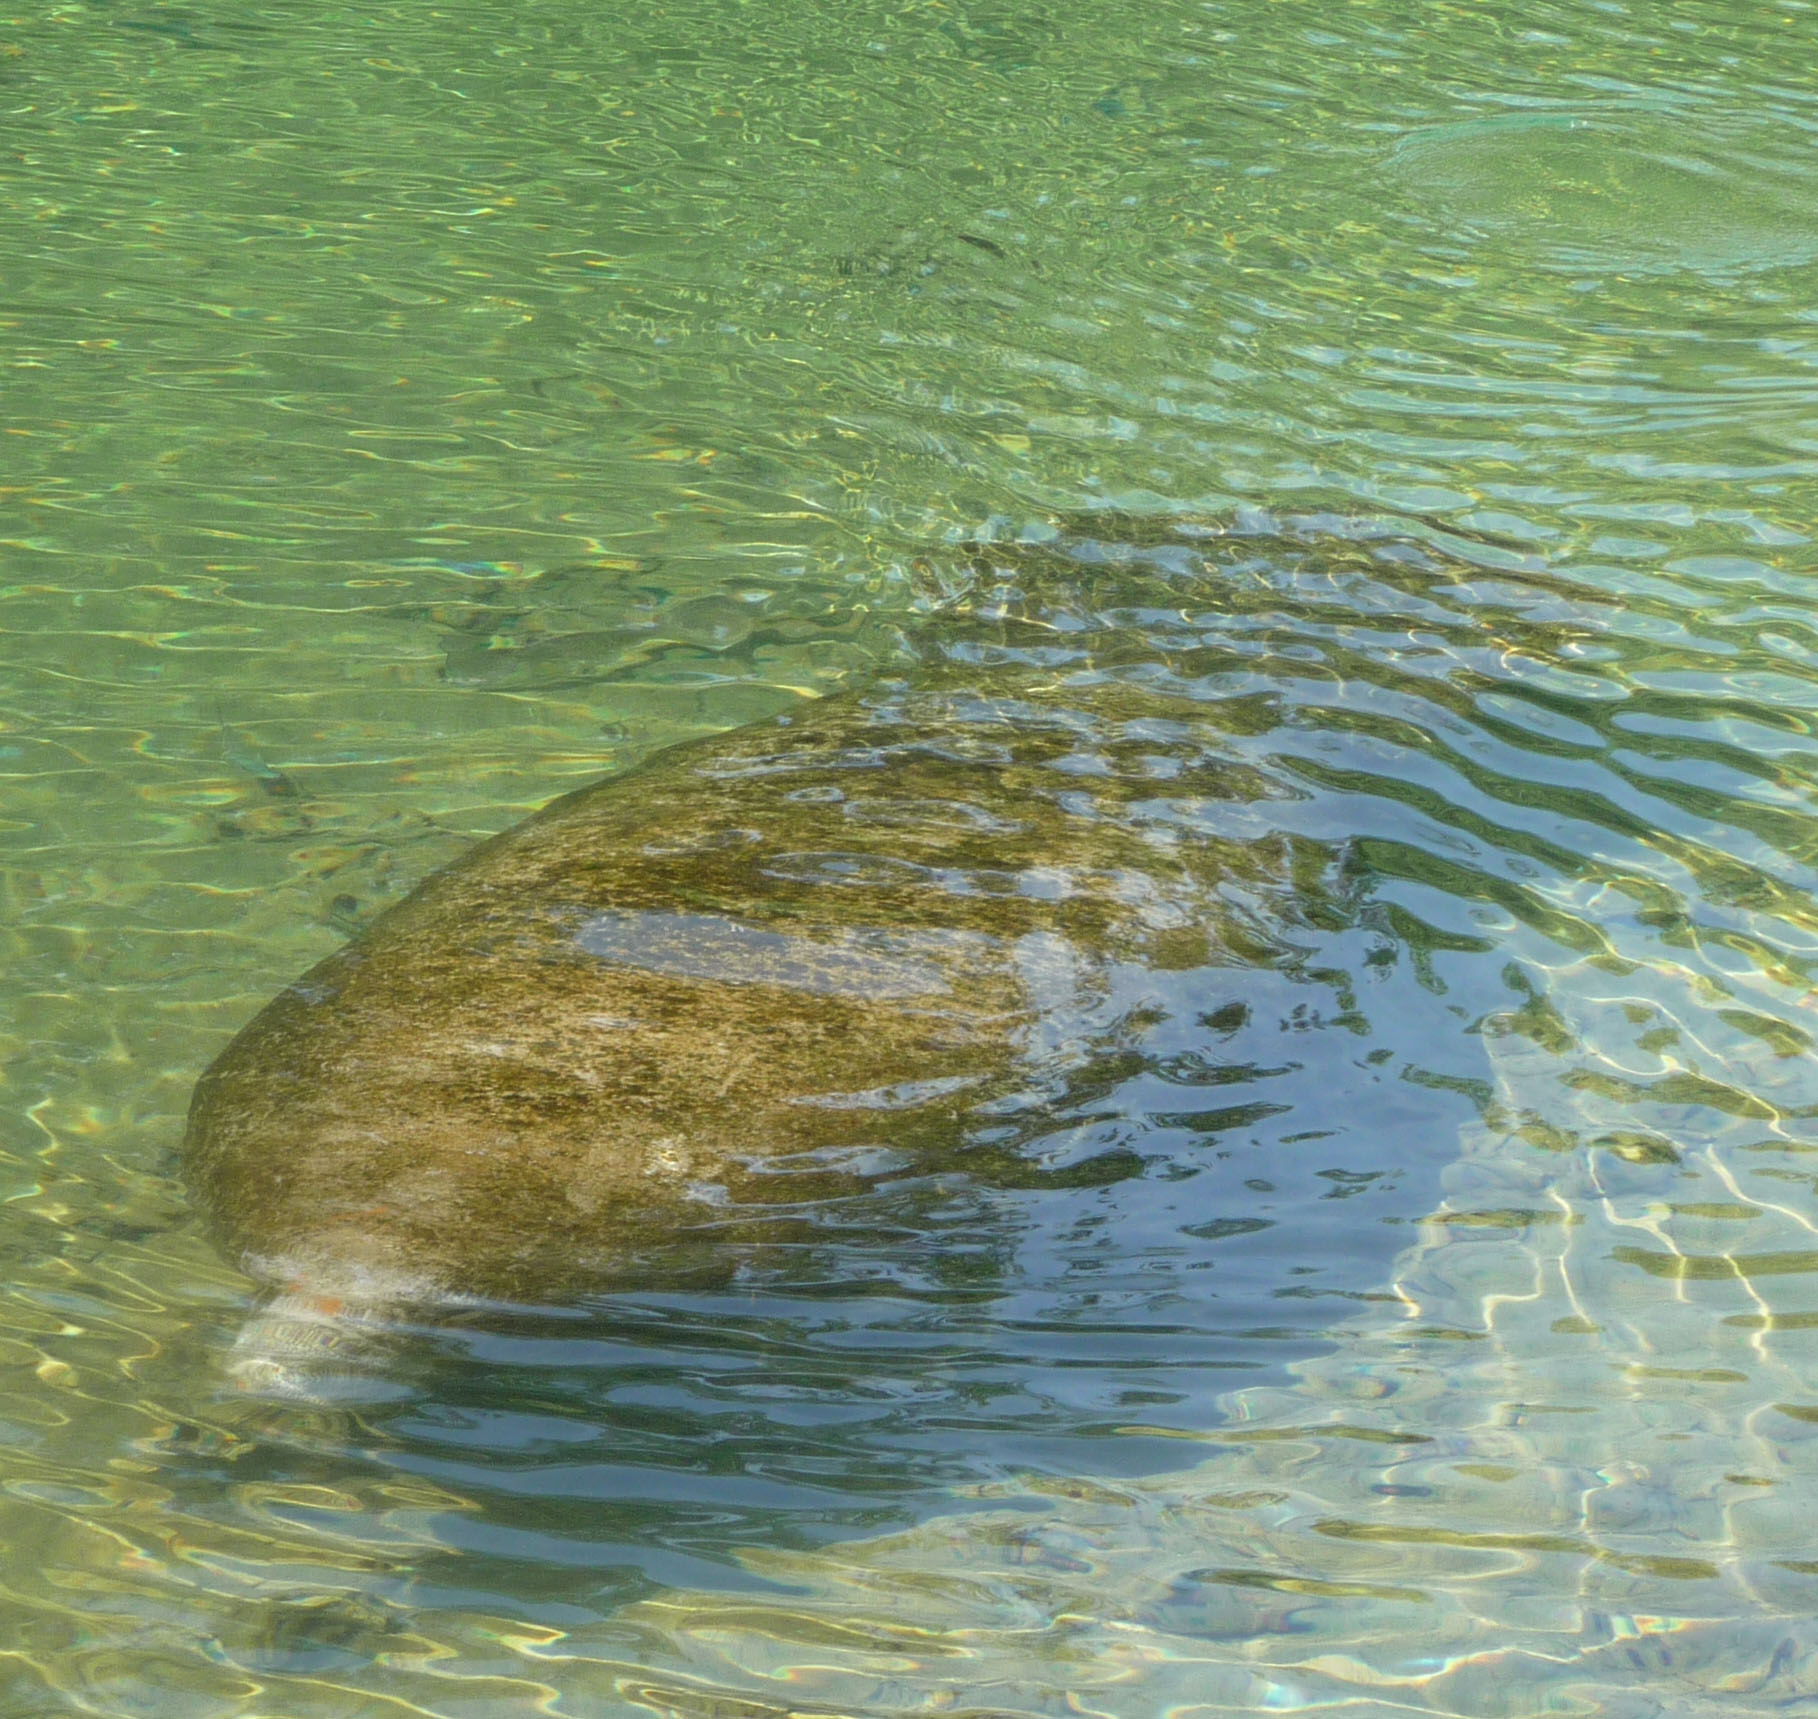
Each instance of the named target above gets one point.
<point>886,919</point>
<point>1071,910</point>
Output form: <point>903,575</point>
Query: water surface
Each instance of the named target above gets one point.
<point>415,412</point>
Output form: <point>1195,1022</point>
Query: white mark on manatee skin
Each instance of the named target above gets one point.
<point>728,951</point>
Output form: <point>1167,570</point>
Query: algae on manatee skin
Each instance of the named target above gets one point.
<point>862,924</point>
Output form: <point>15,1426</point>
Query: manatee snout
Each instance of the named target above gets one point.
<point>314,1347</point>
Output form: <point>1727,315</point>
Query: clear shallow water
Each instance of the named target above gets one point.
<point>411,414</point>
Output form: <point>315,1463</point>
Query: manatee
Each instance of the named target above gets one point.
<point>879,920</point>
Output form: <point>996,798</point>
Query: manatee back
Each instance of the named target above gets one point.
<point>855,925</point>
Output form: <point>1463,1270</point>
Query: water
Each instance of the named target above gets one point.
<point>412,414</point>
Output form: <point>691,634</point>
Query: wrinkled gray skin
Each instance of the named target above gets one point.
<point>849,926</point>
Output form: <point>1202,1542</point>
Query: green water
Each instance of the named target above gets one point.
<point>411,412</point>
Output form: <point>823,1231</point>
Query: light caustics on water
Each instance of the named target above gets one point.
<point>1406,1307</point>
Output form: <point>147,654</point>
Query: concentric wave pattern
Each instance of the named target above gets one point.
<point>1571,1463</point>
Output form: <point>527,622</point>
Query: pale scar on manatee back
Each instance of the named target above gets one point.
<point>859,925</point>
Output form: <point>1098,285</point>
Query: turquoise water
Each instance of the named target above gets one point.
<point>413,412</point>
